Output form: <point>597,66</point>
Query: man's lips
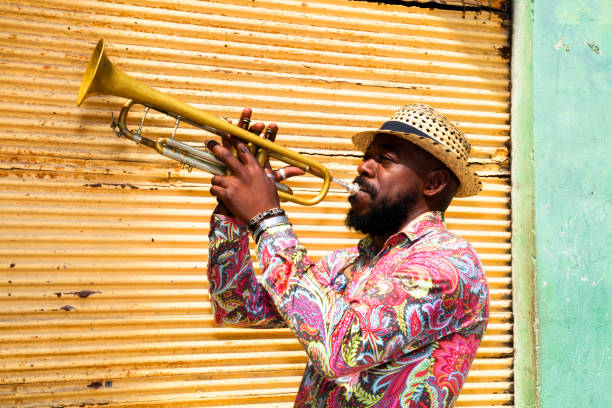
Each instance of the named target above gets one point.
<point>365,187</point>
<point>363,191</point>
<point>366,191</point>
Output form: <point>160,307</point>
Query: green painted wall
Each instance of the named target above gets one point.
<point>572,141</point>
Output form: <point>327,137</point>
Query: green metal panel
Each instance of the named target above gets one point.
<point>573,118</point>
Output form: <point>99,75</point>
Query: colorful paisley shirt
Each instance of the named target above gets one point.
<point>397,328</point>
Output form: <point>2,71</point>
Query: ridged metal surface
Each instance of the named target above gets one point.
<point>103,243</point>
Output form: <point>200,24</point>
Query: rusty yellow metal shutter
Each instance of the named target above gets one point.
<point>103,243</point>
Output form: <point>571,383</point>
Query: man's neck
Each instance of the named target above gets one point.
<point>379,240</point>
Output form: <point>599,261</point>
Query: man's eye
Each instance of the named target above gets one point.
<point>379,158</point>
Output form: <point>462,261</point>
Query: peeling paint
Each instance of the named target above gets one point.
<point>562,46</point>
<point>593,46</point>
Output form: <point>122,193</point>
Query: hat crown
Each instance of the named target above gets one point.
<point>436,126</point>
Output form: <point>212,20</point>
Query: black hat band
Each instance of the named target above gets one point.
<point>397,126</point>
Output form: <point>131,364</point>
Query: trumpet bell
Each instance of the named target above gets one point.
<point>98,65</point>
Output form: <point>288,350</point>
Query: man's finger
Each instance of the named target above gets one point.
<point>220,181</point>
<point>225,155</point>
<point>271,132</point>
<point>244,153</point>
<point>287,172</point>
<point>257,128</point>
<point>245,118</point>
<point>262,154</point>
<point>226,142</point>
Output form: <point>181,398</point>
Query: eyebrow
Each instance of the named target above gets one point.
<point>384,148</point>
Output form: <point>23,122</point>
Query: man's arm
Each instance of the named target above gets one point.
<point>237,298</point>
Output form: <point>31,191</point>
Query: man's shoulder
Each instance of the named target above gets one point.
<point>441,250</point>
<point>444,240</point>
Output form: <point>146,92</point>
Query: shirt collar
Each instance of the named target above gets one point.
<point>422,225</point>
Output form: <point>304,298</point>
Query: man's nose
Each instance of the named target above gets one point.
<point>367,168</point>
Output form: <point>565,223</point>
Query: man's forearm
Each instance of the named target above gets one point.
<point>237,298</point>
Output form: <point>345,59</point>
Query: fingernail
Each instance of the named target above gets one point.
<point>244,148</point>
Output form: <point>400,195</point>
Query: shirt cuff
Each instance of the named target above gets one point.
<point>273,241</point>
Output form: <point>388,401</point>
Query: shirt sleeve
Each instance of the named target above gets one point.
<point>237,297</point>
<point>407,307</point>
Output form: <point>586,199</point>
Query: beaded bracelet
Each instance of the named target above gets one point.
<point>265,214</point>
<point>269,223</point>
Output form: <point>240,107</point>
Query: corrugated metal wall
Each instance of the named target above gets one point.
<point>103,243</point>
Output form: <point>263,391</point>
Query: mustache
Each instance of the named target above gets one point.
<point>366,186</point>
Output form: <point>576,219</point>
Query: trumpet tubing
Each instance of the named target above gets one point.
<point>103,78</point>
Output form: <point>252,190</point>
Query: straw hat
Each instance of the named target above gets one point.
<point>422,125</point>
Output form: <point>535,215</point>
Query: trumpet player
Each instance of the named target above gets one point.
<point>394,321</point>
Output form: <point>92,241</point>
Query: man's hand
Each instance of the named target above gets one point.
<point>249,190</point>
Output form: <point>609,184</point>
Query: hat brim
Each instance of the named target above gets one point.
<point>469,184</point>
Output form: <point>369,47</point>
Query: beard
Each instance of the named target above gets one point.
<point>384,217</point>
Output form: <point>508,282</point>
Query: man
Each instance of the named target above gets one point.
<point>392,322</point>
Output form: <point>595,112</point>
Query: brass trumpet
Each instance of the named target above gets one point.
<point>102,78</point>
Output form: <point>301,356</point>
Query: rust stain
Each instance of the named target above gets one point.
<point>122,185</point>
<point>504,52</point>
<point>12,265</point>
<point>82,294</point>
<point>95,385</point>
<point>67,308</point>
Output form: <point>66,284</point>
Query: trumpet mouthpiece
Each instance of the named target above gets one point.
<point>352,188</point>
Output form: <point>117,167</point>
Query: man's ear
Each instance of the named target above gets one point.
<point>435,182</point>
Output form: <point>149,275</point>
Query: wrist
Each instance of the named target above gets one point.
<point>273,212</point>
<point>265,220</point>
